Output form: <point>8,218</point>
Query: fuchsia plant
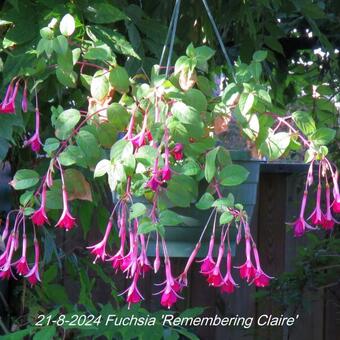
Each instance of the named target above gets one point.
<point>166,147</point>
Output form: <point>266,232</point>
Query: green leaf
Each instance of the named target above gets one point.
<point>246,102</point>
<point>210,164</point>
<point>68,79</point>
<point>103,13</point>
<point>224,202</point>
<point>47,332</point>
<point>146,155</point>
<point>182,190</point>
<point>24,179</point>
<point>260,55</point>
<point>121,150</point>
<point>275,145</point>
<point>137,210</point>
<point>119,79</point>
<point>203,54</point>
<point>89,146</point>
<point>26,197</point>
<point>205,202</point>
<point>146,226</point>
<point>60,45</point>
<point>118,116</point>
<point>65,123</point>
<point>185,114</point>
<point>304,122</point>
<point>323,136</point>
<point>196,99</point>
<point>99,85</point>
<point>170,218</point>
<point>51,145</point>
<point>102,168</point>
<point>226,217</point>
<point>233,174</point>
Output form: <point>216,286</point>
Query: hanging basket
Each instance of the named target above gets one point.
<point>181,239</point>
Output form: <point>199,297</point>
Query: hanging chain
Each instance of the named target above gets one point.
<point>172,33</point>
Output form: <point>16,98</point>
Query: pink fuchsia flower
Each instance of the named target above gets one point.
<point>317,216</point>
<point>177,151</point>
<point>228,285</point>
<point>39,217</point>
<point>35,141</point>
<point>21,265</point>
<point>6,262</point>
<point>130,261</point>
<point>24,102</point>
<point>157,261</point>
<point>33,275</point>
<point>66,220</point>
<point>99,249</point>
<point>300,225</point>
<point>143,258</point>
<point>336,194</point>
<point>214,276</point>
<point>208,262</point>
<point>117,259</point>
<point>247,270</point>
<point>154,183</point>
<point>329,221</point>
<point>183,278</point>
<point>8,104</point>
<point>261,279</point>
<point>133,294</point>
<point>166,171</point>
<point>172,287</point>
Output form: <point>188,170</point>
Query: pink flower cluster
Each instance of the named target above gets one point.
<point>39,217</point>
<point>11,236</point>
<point>327,175</point>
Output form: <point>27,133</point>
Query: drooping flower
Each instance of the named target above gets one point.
<point>33,275</point>
<point>329,221</point>
<point>208,262</point>
<point>133,294</point>
<point>99,249</point>
<point>317,216</point>
<point>300,225</point>
<point>66,220</point>
<point>35,141</point>
<point>21,265</point>
<point>143,258</point>
<point>177,151</point>
<point>214,276</point>
<point>157,261</point>
<point>228,285</point>
<point>24,103</point>
<point>39,217</point>
<point>172,287</point>
<point>247,270</point>
<point>336,194</point>
<point>154,183</point>
<point>166,171</point>
<point>8,104</point>
<point>261,279</point>
<point>183,277</point>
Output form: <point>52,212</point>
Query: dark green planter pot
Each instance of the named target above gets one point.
<point>181,240</point>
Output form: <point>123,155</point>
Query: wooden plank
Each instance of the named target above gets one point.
<point>271,241</point>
